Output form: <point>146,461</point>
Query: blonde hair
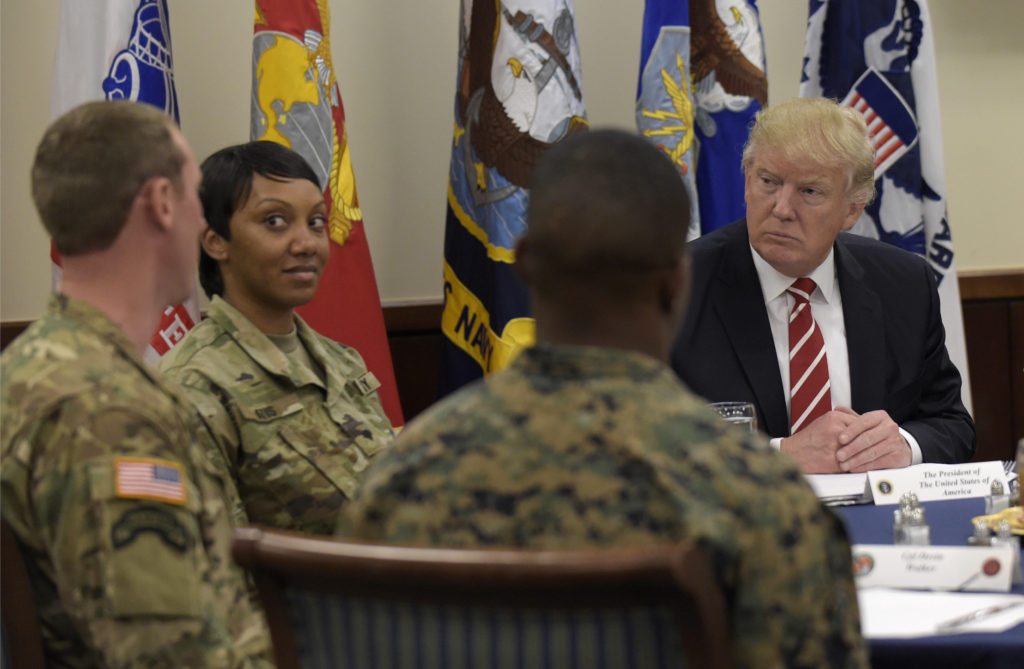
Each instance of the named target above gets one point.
<point>821,131</point>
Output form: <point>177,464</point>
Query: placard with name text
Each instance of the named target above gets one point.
<point>981,568</point>
<point>931,481</point>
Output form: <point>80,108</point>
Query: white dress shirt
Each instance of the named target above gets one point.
<point>827,310</point>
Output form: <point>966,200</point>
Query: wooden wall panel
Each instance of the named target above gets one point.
<point>993,308</point>
<point>987,333</point>
<point>1006,284</point>
<point>417,359</point>
<point>9,330</point>
<point>414,335</point>
<point>1017,367</point>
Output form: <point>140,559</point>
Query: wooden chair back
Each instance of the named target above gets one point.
<point>334,603</point>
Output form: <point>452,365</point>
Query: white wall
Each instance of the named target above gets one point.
<point>395,61</point>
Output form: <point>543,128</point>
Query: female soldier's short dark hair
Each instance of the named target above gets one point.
<point>226,184</point>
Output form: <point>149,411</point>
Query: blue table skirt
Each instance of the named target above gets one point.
<point>950,523</point>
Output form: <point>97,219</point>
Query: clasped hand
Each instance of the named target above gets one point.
<point>843,441</point>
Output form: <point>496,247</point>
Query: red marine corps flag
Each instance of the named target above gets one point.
<point>296,102</point>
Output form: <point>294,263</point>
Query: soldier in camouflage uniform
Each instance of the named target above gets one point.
<point>297,414</point>
<point>106,478</point>
<point>589,438</point>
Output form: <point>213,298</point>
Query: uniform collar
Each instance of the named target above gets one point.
<point>262,350</point>
<point>580,362</point>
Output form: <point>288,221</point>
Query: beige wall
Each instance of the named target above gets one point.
<point>395,62</point>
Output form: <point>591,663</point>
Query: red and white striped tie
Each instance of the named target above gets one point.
<point>809,390</point>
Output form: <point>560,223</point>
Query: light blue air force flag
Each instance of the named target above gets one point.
<point>879,59</point>
<point>664,99</point>
<point>702,80</point>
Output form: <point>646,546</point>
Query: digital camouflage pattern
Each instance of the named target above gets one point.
<point>576,446</point>
<point>120,579</point>
<point>297,449</point>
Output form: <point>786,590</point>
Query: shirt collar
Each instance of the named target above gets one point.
<point>774,283</point>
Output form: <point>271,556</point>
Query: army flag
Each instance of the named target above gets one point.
<point>518,91</point>
<point>702,80</point>
<point>120,50</point>
<point>296,102</point>
<point>879,59</point>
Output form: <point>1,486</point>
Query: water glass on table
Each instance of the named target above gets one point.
<point>741,414</point>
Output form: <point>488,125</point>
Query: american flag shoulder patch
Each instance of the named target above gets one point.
<point>150,478</point>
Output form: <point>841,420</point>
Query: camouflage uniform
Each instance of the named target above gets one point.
<point>579,446</point>
<point>126,571</point>
<point>296,448</point>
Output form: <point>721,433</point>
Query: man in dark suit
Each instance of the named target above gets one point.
<point>877,389</point>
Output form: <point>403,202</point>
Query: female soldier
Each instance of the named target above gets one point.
<point>297,414</point>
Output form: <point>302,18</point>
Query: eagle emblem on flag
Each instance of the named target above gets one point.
<point>891,123</point>
<point>296,102</point>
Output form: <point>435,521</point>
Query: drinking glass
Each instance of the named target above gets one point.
<point>741,414</point>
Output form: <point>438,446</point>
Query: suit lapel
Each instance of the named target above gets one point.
<point>738,296</point>
<point>865,334</point>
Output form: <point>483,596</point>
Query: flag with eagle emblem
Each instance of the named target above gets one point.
<point>879,59</point>
<point>518,91</point>
<point>296,102</point>
<point>702,80</point>
<point>664,104</point>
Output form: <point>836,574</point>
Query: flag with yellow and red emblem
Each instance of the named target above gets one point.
<point>296,102</point>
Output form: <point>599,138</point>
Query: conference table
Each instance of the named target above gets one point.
<point>950,523</point>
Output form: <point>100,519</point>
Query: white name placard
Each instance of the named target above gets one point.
<point>933,482</point>
<point>987,568</point>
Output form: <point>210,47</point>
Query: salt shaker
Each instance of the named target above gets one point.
<point>997,499</point>
<point>916,530</point>
<point>897,527</point>
<point>1005,537</point>
<point>981,536</point>
<point>1020,472</point>
<point>908,501</point>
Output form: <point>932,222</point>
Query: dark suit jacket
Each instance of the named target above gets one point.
<point>894,334</point>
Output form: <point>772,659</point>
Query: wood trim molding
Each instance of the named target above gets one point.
<point>400,317</point>
<point>418,316</point>
<point>11,329</point>
<point>991,284</point>
<point>412,316</point>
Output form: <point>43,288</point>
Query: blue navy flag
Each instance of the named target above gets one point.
<point>120,50</point>
<point>702,80</point>
<point>518,91</point>
<point>879,58</point>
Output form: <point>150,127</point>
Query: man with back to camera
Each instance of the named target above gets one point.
<point>106,478</point>
<point>589,439</point>
<point>870,384</point>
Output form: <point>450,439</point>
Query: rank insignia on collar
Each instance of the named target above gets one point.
<point>367,383</point>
